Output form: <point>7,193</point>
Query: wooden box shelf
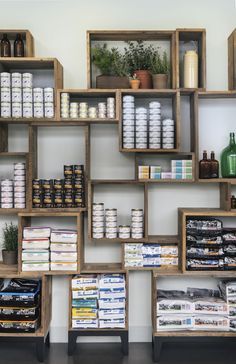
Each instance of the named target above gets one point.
<point>232,61</point>
<point>92,97</point>
<point>116,38</point>
<point>184,38</point>
<point>27,37</point>
<point>25,219</point>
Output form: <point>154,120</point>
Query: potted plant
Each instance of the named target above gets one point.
<point>160,68</point>
<point>112,65</point>
<point>138,56</point>
<point>10,243</point>
<point>134,82</point>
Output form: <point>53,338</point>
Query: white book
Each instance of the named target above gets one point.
<point>84,324</point>
<point>79,282</point>
<point>63,257</point>
<point>61,247</point>
<point>35,255</point>
<point>36,232</point>
<point>35,266</point>
<point>63,266</point>
<point>35,243</point>
<point>112,324</point>
<point>64,236</point>
<point>112,314</point>
<point>111,303</point>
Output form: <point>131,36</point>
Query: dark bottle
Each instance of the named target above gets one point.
<point>228,159</point>
<point>19,46</point>
<point>205,166</point>
<point>214,166</point>
<point>233,202</point>
<point>5,46</point>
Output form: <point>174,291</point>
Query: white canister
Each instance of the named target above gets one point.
<point>5,79</point>
<point>27,80</point>
<point>16,110</point>
<point>27,110</point>
<point>19,166</point>
<point>38,110</point>
<point>16,94</point>
<point>38,94</point>
<point>16,79</point>
<point>191,69</point>
<point>48,94</point>
<point>5,94</point>
<point>5,109</point>
<point>49,109</point>
<point>27,94</point>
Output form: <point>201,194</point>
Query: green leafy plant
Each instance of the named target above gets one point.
<point>110,61</point>
<point>10,236</point>
<point>138,56</point>
<point>133,77</point>
<point>160,64</point>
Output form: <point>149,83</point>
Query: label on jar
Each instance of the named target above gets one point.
<point>111,212</point>
<point>5,110</point>
<point>124,229</point>
<point>111,229</point>
<point>137,212</point>
<point>19,178</point>
<point>7,188</point>
<point>19,205</point>
<point>137,235</point>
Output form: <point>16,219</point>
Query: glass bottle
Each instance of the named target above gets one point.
<point>228,159</point>
<point>19,46</point>
<point>233,202</point>
<point>214,166</point>
<point>205,166</point>
<point>5,46</point>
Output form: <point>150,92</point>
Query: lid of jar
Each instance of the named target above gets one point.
<point>192,52</point>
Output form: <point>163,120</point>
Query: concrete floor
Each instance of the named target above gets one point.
<point>140,353</point>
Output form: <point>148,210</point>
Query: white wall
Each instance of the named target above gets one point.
<point>59,29</point>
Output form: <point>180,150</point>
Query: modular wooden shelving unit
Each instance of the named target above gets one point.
<point>174,39</point>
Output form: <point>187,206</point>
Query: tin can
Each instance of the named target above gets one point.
<point>98,213</point>
<point>168,122</point>
<point>19,178</point>
<point>168,128</point>
<point>137,219</point>
<point>58,184</point>
<point>27,80</point>
<point>140,136</point>
<point>48,94</point>
<point>16,79</point>
<point>27,110</point>
<point>124,229</point>
<point>155,146</point>
<point>16,110</point>
<point>19,205</point>
<point>136,235</point>
<point>18,166</point>
<point>98,235</point>
<point>19,189</point>
<point>37,200</point>
<point>98,207</point>
<point>98,224</point>
<point>7,189</point>
<point>128,140</point>
<point>68,184</point>
<point>127,128</point>
<point>5,78</point>
<point>47,199</point>
<point>38,110</point>
<point>37,184</point>
<point>111,224</point>
<point>16,95</point>
<point>47,184</point>
<point>7,182</point>
<point>135,225</point>
<point>7,205</point>
<point>137,230</point>
<point>49,110</point>
<point>98,218</point>
<point>79,185</point>
<point>5,94</point>
<point>128,98</point>
<point>68,170</point>
<point>19,172</point>
<point>124,235</point>
<point>111,235</point>
<point>58,199</point>
<point>27,94</point>
<point>111,212</point>
<point>19,194</point>
<point>7,194</point>
<point>19,184</point>
<point>78,169</point>
<point>7,199</point>
<point>141,145</point>
<point>111,229</point>
<point>38,94</point>
<point>19,199</point>
<point>128,145</point>
<point>98,229</point>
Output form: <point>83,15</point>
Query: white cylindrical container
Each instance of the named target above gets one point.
<point>16,79</point>
<point>27,94</point>
<point>5,79</point>
<point>5,109</point>
<point>49,109</point>
<point>16,94</point>
<point>48,94</point>
<point>38,110</point>
<point>27,80</point>
<point>16,110</point>
<point>27,110</point>
<point>191,69</point>
<point>5,94</point>
<point>38,94</point>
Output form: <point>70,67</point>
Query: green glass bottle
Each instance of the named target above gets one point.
<point>228,159</point>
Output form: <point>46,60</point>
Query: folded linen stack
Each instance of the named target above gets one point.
<point>63,250</point>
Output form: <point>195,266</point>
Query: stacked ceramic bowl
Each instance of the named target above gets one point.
<point>168,134</point>
<point>74,110</point>
<point>102,110</point>
<point>111,223</point>
<point>110,107</point>
<point>92,112</point>
<point>128,121</point>
<point>98,220</point>
<point>137,224</point>
<point>154,125</point>
<point>83,110</point>
<point>141,117</point>
<point>65,105</point>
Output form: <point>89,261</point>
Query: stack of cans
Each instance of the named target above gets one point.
<point>110,107</point>
<point>102,110</point>
<point>128,122</point>
<point>137,223</point>
<point>19,185</point>
<point>98,220</point>
<point>168,134</point>
<point>74,110</point>
<point>7,194</point>
<point>154,125</point>
<point>92,112</point>
<point>141,127</point>
<point>111,223</point>
<point>65,105</point>
<point>83,110</point>
<point>124,231</point>
<point>27,84</point>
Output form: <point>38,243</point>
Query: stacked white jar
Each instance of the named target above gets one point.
<point>98,221</point>
<point>110,107</point>
<point>74,110</point>
<point>154,125</point>
<point>83,110</point>
<point>128,122</point>
<point>102,110</point>
<point>49,102</point>
<point>38,102</point>
<point>27,91</point>
<point>5,95</point>
<point>65,105</point>
<point>136,223</point>
<point>141,127</point>
<point>168,134</point>
<point>111,223</point>
<point>19,185</point>
<point>92,112</point>
<point>7,194</point>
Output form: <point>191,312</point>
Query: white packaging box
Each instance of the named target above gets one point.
<point>174,322</point>
<point>228,288</point>
<point>36,232</point>
<point>168,261</point>
<point>210,307</point>
<point>61,247</point>
<point>63,266</point>
<point>91,293</point>
<point>64,236</point>
<point>35,255</point>
<point>174,306</point>
<point>114,314</point>
<point>107,279</point>
<point>106,304</point>
<point>79,282</point>
<point>210,323</point>
<point>35,266</point>
<point>112,293</point>
<point>84,324</point>
<point>63,256</point>
<point>119,324</point>
<point>133,263</point>
<point>169,250</point>
<point>35,243</point>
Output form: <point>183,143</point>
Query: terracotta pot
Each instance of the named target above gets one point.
<point>145,78</point>
<point>160,81</point>
<point>9,257</point>
<point>112,82</point>
<point>134,84</point>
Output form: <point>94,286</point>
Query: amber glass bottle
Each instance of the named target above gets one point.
<point>214,166</point>
<point>19,46</point>
<point>5,46</point>
<point>205,166</point>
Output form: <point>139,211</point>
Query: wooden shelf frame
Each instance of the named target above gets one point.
<point>26,36</point>
<point>131,35</point>
<point>25,220</point>
<point>232,61</point>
